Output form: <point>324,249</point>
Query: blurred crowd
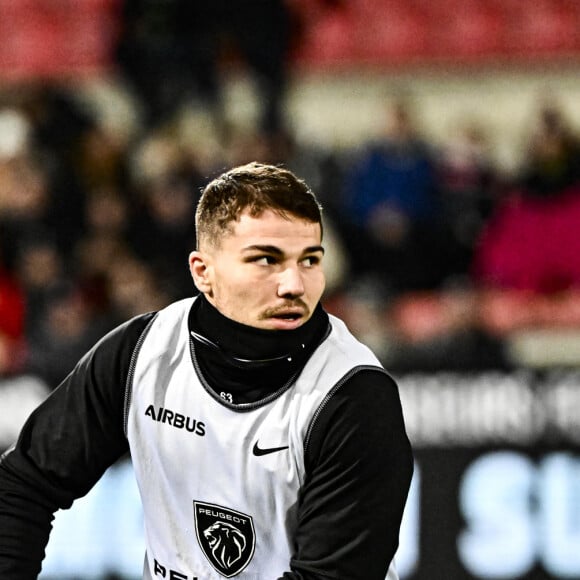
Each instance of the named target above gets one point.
<point>434,253</point>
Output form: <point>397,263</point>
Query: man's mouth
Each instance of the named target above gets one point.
<point>288,315</point>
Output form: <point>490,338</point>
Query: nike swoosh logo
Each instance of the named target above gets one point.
<point>258,451</point>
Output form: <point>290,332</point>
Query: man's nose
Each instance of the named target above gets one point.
<point>290,282</point>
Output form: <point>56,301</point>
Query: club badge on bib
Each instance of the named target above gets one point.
<point>226,537</point>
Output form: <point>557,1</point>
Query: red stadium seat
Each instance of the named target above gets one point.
<point>541,27</point>
<point>389,31</point>
<point>327,39</point>
<point>48,39</point>
<point>462,30</point>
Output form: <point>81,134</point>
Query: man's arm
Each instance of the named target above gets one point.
<point>63,449</point>
<point>359,466</point>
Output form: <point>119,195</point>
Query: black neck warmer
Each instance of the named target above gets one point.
<point>250,363</point>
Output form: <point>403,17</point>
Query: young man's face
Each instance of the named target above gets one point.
<point>266,274</point>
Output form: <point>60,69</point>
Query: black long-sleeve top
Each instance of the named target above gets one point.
<point>358,461</point>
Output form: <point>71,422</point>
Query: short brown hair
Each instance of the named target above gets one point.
<point>255,188</point>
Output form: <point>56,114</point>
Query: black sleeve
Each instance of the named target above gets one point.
<point>63,449</point>
<point>359,466</point>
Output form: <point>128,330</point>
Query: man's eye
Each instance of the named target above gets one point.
<point>263,260</point>
<point>311,261</point>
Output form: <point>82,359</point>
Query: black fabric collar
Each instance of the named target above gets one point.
<point>250,363</point>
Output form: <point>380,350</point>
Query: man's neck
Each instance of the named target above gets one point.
<point>250,362</point>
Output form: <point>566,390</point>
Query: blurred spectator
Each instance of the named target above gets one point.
<point>107,219</point>
<point>163,229</point>
<point>107,212</point>
<point>261,32</point>
<point>166,233</point>
<point>59,127</point>
<point>531,241</point>
<point>41,271</point>
<point>469,187</point>
<point>24,182</point>
<point>100,159</point>
<point>66,331</point>
<point>96,256</point>
<point>12,336</point>
<point>391,210</point>
<point>553,157</point>
<point>172,52</point>
<point>134,288</point>
<point>168,53</point>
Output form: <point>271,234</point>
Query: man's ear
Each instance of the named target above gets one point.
<point>200,271</point>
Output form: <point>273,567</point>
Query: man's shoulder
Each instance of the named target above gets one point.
<point>338,357</point>
<point>348,345</point>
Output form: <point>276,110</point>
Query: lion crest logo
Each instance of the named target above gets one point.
<point>226,537</point>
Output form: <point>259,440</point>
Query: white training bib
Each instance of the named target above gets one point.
<point>220,482</point>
